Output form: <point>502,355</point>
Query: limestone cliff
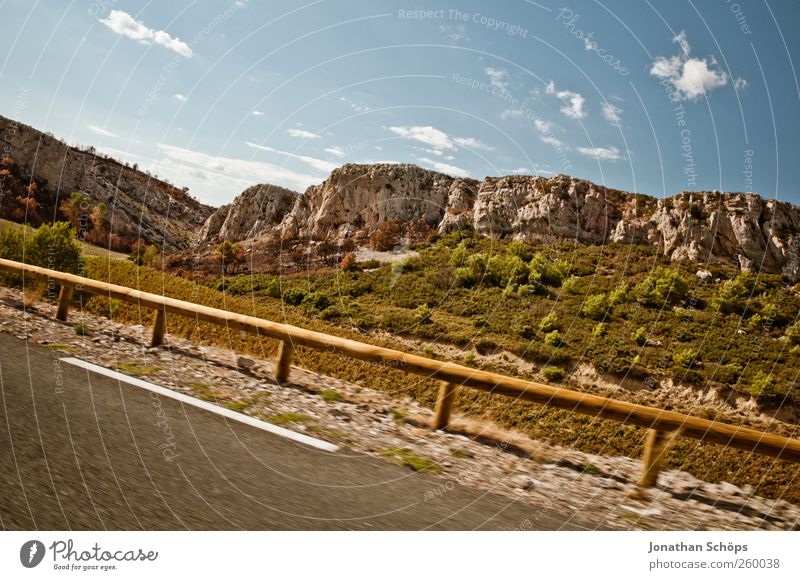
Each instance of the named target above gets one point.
<point>356,200</point>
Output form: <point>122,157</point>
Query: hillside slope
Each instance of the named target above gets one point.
<point>139,206</point>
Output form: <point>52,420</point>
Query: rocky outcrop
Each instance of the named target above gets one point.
<point>355,201</point>
<point>158,212</point>
<point>258,209</point>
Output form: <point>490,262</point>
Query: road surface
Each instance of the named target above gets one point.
<point>82,451</point>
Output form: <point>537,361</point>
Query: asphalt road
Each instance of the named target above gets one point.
<point>81,451</point>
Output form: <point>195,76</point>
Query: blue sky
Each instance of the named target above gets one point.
<point>654,97</point>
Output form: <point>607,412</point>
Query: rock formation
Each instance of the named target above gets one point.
<point>355,200</point>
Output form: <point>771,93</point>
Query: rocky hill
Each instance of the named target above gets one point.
<point>142,206</point>
<point>356,201</point>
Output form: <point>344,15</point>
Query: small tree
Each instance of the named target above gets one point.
<point>53,246</point>
<point>595,306</point>
<point>76,208</point>
<point>662,286</point>
<point>386,236</point>
<point>230,254</point>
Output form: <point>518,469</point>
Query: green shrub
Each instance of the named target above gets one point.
<point>549,323</point>
<point>763,388</point>
<point>542,271</point>
<point>422,314</point>
<point>294,296</point>
<point>520,249</point>
<point>571,285</point>
<point>600,329</point>
<point>54,247</point>
<point>619,295</point>
<point>595,306</point>
<point>662,286</point>
<point>686,358</point>
<point>728,374</point>
<point>640,336</point>
<point>318,300</point>
<point>735,294</point>
<point>11,244</point>
<point>553,338</point>
<point>555,374</point>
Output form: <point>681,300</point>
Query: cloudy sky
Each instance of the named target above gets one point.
<point>655,97</point>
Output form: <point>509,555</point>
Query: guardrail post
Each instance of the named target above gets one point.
<point>444,402</point>
<point>64,300</point>
<point>284,363</point>
<point>655,450</point>
<point>159,328</point>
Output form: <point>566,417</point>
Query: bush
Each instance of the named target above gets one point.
<point>553,338</point>
<point>793,333</point>
<point>549,323</point>
<point>662,286</point>
<point>520,249</point>
<point>571,285</point>
<point>555,374</point>
<point>53,246</point>
<point>763,388</point>
<point>595,306</point>
<point>686,358</point>
<point>619,295</point>
<point>640,336</point>
<point>600,329</point>
<point>728,374</point>
<point>542,271</point>
<point>422,315</point>
<point>11,244</point>
<point>318,300</point>
<point>294,296</point>
<point>735,294</point>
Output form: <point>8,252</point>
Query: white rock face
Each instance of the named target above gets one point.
<point>741,229</point>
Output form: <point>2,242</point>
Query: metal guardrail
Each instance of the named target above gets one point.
<point>664,425</point>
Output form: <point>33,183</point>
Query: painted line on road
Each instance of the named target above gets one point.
<point>186,399</point>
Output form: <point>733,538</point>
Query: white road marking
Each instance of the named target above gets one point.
<point>186,399</point>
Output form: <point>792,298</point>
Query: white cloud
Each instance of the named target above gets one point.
<point>125,25</point>
<point>318,164</point>
<point>257,113</point>
<point>302,134</point>
<point>471,143</point>
<point>444,167</point>
<point>179,97</point>
<point>497,78</point>
<point>221,178</point>
<point>601,153</point>
<point>511,114</point>
<point>438,140</point>
<point>100,131</point>
<point>612,113</point>
<point>740,84</point>
<point>520,170</point>
<point>573,102</point>
<point>546,136</point>
<point>427,135</point>
<point>336,151</point>
<point>691,77</point>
